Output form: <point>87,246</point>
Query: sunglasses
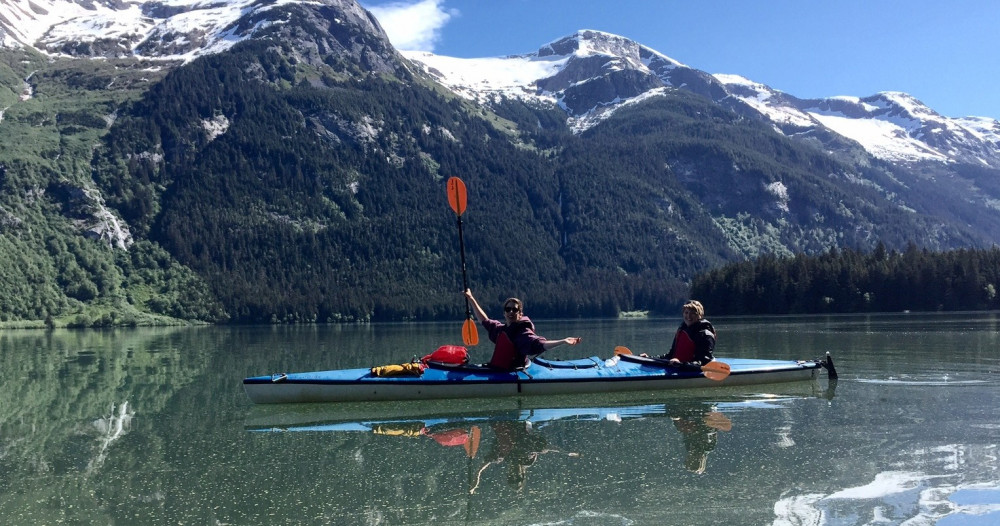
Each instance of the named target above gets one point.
<point>511,309</point>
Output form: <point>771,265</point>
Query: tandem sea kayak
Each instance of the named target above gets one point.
<point>540,377</point>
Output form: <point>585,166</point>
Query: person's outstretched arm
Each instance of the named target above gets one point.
<point>572,340</point>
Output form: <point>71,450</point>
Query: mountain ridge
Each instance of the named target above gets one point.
<point>898,127</point>
<point>587,73</point>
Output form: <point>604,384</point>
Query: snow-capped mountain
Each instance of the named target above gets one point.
<point>167,29</point>
<point>588,74</point>
<point>157,29</point>
<point>591,73</point>
<point>891,125</point>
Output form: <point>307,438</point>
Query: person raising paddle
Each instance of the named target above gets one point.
<point>694,341</point>
<point>515,340</point>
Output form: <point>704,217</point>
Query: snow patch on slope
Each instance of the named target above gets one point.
<point>766,101</point>
<point>890,125</point>
<point>886,139</point>
<point>596,116</point>
<point>481,78</point>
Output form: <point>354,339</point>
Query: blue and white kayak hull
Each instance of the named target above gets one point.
<point>541,377</point>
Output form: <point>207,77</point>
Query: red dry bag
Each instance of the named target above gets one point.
<point>451,354</point>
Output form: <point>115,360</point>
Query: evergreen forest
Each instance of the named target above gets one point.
<point>851,281</point>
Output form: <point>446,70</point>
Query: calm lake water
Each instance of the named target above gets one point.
<point>151,426</point>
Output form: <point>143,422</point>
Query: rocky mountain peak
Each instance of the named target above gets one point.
<point>589,42</point>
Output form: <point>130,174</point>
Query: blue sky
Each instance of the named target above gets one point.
<point>945,53</point>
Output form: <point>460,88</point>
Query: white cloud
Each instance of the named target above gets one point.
<point>413,26</point>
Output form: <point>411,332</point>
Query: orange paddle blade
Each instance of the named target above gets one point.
<point>621,349</point>
<point>469,333</point>
<point>456,195</point>
<point>472,446</point>
<point>717,420</point>
<point>714,370</point>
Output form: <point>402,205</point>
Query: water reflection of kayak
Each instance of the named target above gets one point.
<point>535,417</point>
<point>538,411</point>
<point>541,377</point>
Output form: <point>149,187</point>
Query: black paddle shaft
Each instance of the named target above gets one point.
<point>465,278</point>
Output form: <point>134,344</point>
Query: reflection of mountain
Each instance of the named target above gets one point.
<point>70,399</point>
<point>110,428</point>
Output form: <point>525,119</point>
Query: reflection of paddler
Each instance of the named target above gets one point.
<point>698,427</point>
<point>516,445</point>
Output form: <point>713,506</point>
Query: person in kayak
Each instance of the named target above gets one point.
<point>694,341</point>
<point>514,340</point>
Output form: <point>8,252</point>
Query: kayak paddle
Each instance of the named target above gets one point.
<point>713,370</point>
<point>457,199</point>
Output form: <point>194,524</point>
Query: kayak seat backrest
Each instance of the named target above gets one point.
<point>584,363</point>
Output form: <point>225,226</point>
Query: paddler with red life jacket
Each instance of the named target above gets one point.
<point>694,341</point>
<point>515,339</point>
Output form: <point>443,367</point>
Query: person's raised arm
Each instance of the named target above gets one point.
<point>476,309</point>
